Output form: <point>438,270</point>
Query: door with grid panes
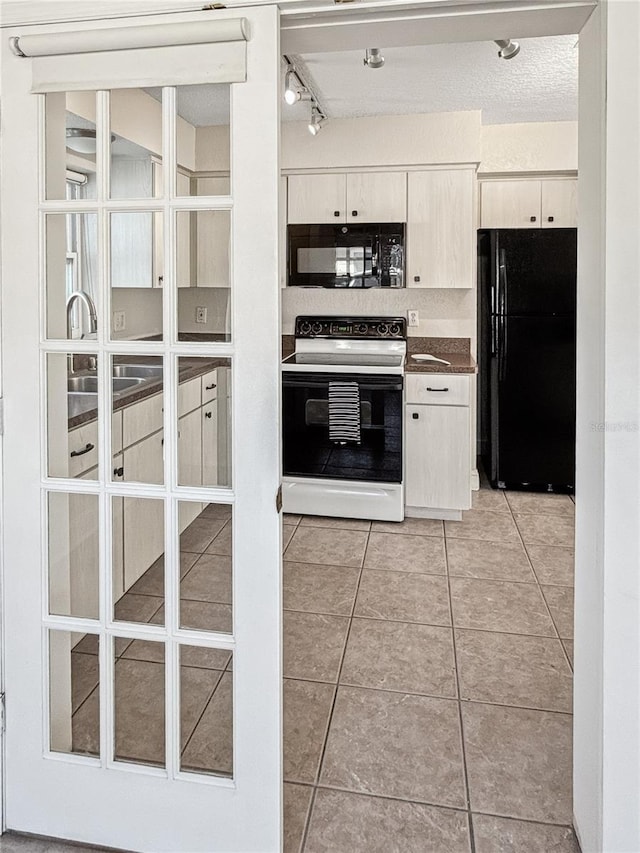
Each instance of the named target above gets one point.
<point>141,545</point>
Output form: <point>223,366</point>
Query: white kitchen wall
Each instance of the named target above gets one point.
<point>443,313</point>
<point>143,311</point>
<point>550,146</point>
<point>214,299</point>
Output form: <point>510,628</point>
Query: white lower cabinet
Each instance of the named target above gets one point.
<point>210,444</point>
<point>437,433</point>
<point>143,517</point>
<point>190,449</point>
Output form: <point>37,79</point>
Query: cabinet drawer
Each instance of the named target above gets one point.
<point>141,419</point>
<point>209,386</point>
<point>439,389</point>
<point>188,396</point>
<point>80,439</point>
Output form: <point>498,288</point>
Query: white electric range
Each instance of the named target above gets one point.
<point>326,472</point>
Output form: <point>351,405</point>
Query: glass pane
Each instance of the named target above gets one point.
<point>204,412</point>
<point>138,404</point>
<point>203,275</point>
<point>140,576</point>
<point>72,415</point>
<point>136,264</point>
<point>139,707</point>
<point>206,588</point>
<point>202,131</point>
<point>74,693</point>
<point>70,147</point>
<point>73,555</point>
<point>72,275</point>
<point>206,710</point>
<point>136,144</point>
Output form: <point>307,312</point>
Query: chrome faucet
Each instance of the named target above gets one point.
<point>84,297</point>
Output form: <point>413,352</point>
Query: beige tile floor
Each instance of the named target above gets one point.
<point>427,678</point>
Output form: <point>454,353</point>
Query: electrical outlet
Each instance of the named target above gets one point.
<point>201,314</point>
<point>413,317</point>
<point>119,321</point>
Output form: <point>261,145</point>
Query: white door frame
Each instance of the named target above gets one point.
<point>95,800</point>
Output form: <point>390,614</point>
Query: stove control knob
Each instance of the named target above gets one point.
<point>316,328</point>
<point>362,328</point>
<point>394,329</point>
<point>305,328</point>
<point>383,329</point>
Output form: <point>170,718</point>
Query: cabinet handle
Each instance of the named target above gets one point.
<point>336,213</point>
<point>549,218</point>
<point>210,387</point>
<point>118,472</point>
<point>416,278</point>
<point>415,416</point>
<point>354,212</point>
<point>208,414</point>
<point>87,449</point>
<point>437,389</point>
<point>532,218</point>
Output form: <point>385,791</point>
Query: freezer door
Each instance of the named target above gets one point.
<point>535,271</point>
<point>533,403</point>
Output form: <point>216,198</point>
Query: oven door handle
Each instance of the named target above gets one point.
<point>311,380</point>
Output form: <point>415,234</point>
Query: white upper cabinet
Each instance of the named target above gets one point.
<point>559,199</point>
<point>353,197</point>
<point>377,197</point>
<point>528,203</point>
<point>213,236</point>
<point>441,228</point>
<point>317,199</point>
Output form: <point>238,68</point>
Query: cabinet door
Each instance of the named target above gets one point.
<point>190,449</point>
<point>441,229</point>
<point>83,552</point>
<point>143,517</point>
<point>210,444</point>
<point>315,199</point>
<point>117,544</point>
<point>213,235</point>
<point>510,204</point>
<point>183,236</point>
<point>377,197</point>
<point>559,203</point>
<point>437,457</point>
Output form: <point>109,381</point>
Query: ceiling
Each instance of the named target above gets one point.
<point>539,84</point>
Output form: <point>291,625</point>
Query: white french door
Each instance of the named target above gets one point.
<point>141,536</point>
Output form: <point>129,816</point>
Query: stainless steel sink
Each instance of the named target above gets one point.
<point>89,384</point>
<point>138,371</point>
<point>79,402</point>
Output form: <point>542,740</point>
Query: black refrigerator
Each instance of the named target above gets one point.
<point>526,357</point>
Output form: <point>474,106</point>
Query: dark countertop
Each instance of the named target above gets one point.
<point>460,363</point>
<point>190,368</point>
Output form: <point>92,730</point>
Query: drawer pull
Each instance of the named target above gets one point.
<point>88,448</point>
<point>437,389</point>
<point>210,387</point>
<point>208,414</point>
<point>118,472</point>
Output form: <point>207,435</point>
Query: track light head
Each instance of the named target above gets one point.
<point>373,57</point>
<point>508,48</point>
<point>316,123</point>
<point>292,88</point>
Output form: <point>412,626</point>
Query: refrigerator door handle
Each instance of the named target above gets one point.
<point>502,283</point>
<point>502,347</point>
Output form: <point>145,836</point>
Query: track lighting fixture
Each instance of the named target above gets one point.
<point>508,48</point>
<point>373,57</point>
<point>317,121</point>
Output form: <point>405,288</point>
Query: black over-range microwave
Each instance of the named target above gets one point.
<point>360,255</point>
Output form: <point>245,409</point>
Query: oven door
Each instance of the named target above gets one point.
<point>307,449</point>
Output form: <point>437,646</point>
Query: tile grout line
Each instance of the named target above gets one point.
<point>472,843</point>
<point>335,694</point>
